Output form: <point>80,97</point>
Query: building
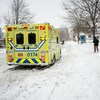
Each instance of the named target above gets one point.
<point>64,34</point>
<point>1,34</point>
<point>2,38</point>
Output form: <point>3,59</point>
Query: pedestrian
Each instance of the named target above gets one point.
<point>96,43</point>
<point>74,38</point>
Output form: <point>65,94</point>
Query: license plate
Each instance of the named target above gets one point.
<point>33,54</point>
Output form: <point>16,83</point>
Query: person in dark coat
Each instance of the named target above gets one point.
<point>96,43</point>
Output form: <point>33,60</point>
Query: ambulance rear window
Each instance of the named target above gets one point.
<point>31,38</point>
<point>19,38</point>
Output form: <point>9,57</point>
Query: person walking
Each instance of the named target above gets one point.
<point>74,38</point>
<point>96,43</point>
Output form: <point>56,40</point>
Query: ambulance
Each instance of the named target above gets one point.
<point>32,44</point>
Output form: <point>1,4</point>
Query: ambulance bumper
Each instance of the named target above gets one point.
<point>36,64</point>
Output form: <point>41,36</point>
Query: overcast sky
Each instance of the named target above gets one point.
<point>45,10</point>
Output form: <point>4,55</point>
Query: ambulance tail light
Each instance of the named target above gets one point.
<point>10,57</point>
<point>42,27</point>
<point>9,29</point>
<point>43,57</point>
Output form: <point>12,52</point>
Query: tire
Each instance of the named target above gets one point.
<point>9,64</point>
<point>53,60</point>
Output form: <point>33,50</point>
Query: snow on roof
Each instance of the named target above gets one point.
<point>81,33</point>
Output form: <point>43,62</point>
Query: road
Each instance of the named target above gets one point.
<point>76,76</point>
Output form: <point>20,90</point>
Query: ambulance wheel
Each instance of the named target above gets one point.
<point>9,64</point>
<point>60,51</point>
<point>54,59</point>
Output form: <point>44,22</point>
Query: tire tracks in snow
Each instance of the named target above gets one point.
<point>28,82</point>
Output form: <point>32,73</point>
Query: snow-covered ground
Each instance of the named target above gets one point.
<point>76,76</point>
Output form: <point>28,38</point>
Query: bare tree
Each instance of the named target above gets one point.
<point>88,9</point>
<point>74,16</point>
<point>19,13</point>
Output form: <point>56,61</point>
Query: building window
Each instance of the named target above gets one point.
<point>19,38</point>
<point>31,38</point>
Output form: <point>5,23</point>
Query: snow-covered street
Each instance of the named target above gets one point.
<point>76,76</point>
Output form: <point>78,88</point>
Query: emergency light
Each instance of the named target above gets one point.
<point>42,27</point>
<point>36,27</point>
<point>9,28</point>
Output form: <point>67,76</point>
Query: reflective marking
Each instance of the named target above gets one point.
<point>31,61</point>
<point>34,49</point>
<point>22,61</point>
<point>18,60</point>
<point>26,61</point>
<point>34,61</point>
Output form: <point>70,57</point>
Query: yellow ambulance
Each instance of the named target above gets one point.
<point>32,44</point>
